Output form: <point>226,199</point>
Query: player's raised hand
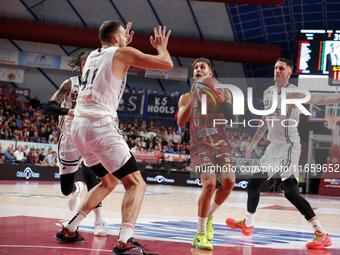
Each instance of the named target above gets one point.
<point>128,35</point>
<point>160,38</point>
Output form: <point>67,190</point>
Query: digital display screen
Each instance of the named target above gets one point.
<point>318,51</point>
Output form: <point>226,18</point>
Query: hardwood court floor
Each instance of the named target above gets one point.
<point>31,213</point>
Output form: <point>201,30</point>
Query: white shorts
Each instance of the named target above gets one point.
<point>282,159</point>
<point>100,141</point>
<point>69,158</point>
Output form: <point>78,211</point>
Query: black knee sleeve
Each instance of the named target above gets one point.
<point>291,192</point>
<point>253,189</point>
<point>67,183</point>
<point>90,177</point>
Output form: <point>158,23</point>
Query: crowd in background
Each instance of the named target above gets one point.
<point>28,122</point>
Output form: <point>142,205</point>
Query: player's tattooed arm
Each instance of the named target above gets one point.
<point>53,106</point>
<point>62,92</point>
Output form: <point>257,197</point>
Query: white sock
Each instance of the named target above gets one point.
<point>98,215</point>
<point>126,232</point>
<point>202,225</point>
<point>317,226</point>
<point>249,222</point>
<point>213,208</point>
<point>73,224</point>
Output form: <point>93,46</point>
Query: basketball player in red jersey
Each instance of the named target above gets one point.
<point>208,148</point>
<point>95,128</point>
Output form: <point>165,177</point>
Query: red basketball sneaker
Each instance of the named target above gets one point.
<point>320,241</point>
<point>131,246</point>
<point>239,224</point>
<point>65,236</point>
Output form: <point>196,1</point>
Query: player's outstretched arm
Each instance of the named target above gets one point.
<point>324,98</point>
<point>317,98</point>
<point>133,57</point>
<point>258,135</point>
<point>183,110</point>
<point>53,106</point>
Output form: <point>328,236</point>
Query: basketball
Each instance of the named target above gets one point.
<point>207,86</point>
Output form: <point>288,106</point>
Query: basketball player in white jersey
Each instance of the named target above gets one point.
<point>62,103</point>
<point>282,155</point>
<point>95,128</point>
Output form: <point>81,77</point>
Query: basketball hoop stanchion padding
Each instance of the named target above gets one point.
<point>330,179</point>
<point>331,121</point>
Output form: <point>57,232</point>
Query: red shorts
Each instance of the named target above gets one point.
<point>201,155</point>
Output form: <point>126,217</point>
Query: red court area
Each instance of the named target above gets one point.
<point>34,235</point>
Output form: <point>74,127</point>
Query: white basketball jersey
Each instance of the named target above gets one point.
<point>65,121</point>
<point>100,91</point>
<point>279,132</point>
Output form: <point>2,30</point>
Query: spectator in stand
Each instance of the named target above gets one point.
<point>156,149</point>
<point>186,137</point>
<point>150,146</point>
<point>16,135</point>
<point>32,158</point>
<point>169,148</point>
<point>245,144</point>
<point>25,135</point>
<point>178,148</point>
<point>35,138</point>
<point>1,113</point>
<point>51,159</point>
<point>35,103</point>
<point>12,99</point>
<point>13,126</point>
<point>51,136</point>
<point>19,155</point>
<point>42,157</point>
<point>18,121</point>
<point>8,110</point>
<point>26,118</point>
<point>143,125</point>
<point>43,134</point>
<point>177,138</point>
<point>9,154</point>
<point>2,157</point>
<point>6,135</point>
<point>187,149</point>
<point>20,108</point>
<point>43,119</point>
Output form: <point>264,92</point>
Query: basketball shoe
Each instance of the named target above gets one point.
<point>240,225</point>
<point>74,200</point>
<point>210,228</point>
<point>320,241</point>
<point>100,229</point>
<point>65,236</point>
<point>201,242</point>
<point>131,246</point>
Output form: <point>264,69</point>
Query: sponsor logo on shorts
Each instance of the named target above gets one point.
<point>160,179</point>
<point>27,173</point>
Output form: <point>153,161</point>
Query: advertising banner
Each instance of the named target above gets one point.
<point>162,106</point>
<point>9,56</point>
<point>12,74</point>
<point>132,103</point>
<point>41,60</point>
